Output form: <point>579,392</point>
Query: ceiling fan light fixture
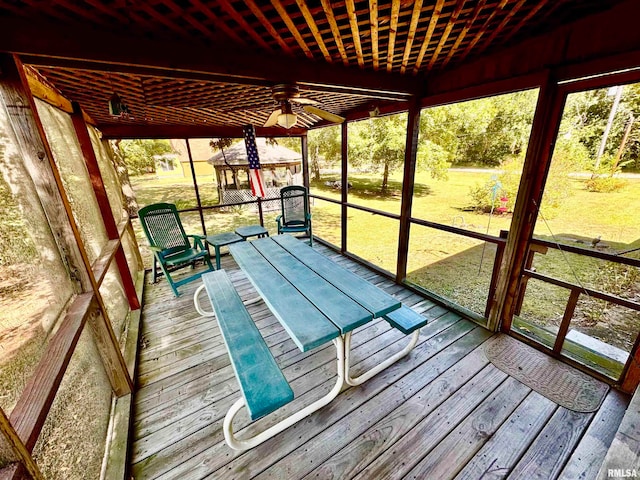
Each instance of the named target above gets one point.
<point>287,118</point>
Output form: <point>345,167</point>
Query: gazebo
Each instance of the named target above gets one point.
<point>280,166</point>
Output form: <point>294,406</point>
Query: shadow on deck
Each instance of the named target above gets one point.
<point>444,411</point>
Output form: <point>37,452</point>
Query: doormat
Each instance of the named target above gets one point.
<point>551,378</point>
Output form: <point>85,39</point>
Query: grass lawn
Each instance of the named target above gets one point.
<point>453,266</point>
<point>459,268</point>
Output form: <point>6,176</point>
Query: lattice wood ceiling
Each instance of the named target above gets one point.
<point>398,38</point>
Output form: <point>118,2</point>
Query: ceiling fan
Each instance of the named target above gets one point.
<point>284,116</point>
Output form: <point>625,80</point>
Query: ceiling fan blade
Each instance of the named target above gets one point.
<point>331,117</point>
<point>273,118</point>
<point>304,101</point>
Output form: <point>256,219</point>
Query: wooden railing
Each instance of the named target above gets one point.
<point>538,246</point>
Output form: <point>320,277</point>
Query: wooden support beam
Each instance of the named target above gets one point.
<point>45,40</point>
<point>311,23</point>
<point>435,16</point>
<point>566,320</point>
<point>121,131</point>
<point>41,89</point>
<point>335,30</point>
<point>195,186</point>
<point>453,19</point>
<point>415,17</point>
<point>292,27</point>
<point>31,410</point>
<point>593,45</point>
<point>344,178</point>
<point>355,32</point>
<point>13,450</point>
<point>393,30</point>
<point>408,179</point>
<point>264,21</point>
<point>373,20</point>
<point>304,148</point>
<point>100,191</point>
<point>546,123</point>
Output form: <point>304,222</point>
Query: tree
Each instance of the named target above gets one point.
<point>378,144</point>
<point>139,154</point>
<point>486,132</point>
<point>324,143</point>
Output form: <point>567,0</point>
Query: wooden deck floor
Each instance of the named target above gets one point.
<point>443,412</point>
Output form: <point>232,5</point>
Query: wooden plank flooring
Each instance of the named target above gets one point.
<point>443,412</point>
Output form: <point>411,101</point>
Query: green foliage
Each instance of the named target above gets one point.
<point>221,143</point>
<point>505,185</point>
<point>605,184</point>
<point>138,154</point>
<point>378,144</point>
<point>585,118</point>
<point>485,132</point>
<point>324,149</point>
<point>292,143</point>
<point>432,158</point>
<point>603,180</point>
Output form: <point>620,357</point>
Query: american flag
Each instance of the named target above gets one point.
<point>255,174</point>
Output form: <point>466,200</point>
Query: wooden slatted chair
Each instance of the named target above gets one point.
<point>295,217</point>
<point>171,246</point>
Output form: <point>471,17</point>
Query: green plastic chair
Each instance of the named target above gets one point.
<point>295,216</point>
<point>172,249</point>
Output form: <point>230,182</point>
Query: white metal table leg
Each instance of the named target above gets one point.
<point>378,368</point>
<point>244,444</point>
<point>196,303</point>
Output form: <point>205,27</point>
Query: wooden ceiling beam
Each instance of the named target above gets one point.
<point>240,20</point>
<point>373,19</point>
<point>526,18</point>
<point>483,29</point>
<point>293,29</point>
<point>311,23</point>
<point>393,30</point>
<point>221,25</point>
<point>122,131</point>
<point>597,44</point>
<point>355,32</point>
<point>513,10</point>
<point>453,19</point>
<point>413,26</point>
<point>267,25</point>
<point>463,33</point>
<point>227,63</point>
<point>435,16</point>
<point>335,30</point>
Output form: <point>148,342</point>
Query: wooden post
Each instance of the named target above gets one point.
<point>344,178</point>
<point>497,262</point>
<point>195,186</point>
<point>91,161</point>
<point>408,179</point>
<point>304,145</point>
<point>12,449</point>
<point>566,320</point>
<point>546,122</point>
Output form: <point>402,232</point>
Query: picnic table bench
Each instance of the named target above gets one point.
<point>316,301</point>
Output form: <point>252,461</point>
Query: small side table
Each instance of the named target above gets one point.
<point>252,231</point>
<point>220,240</point>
